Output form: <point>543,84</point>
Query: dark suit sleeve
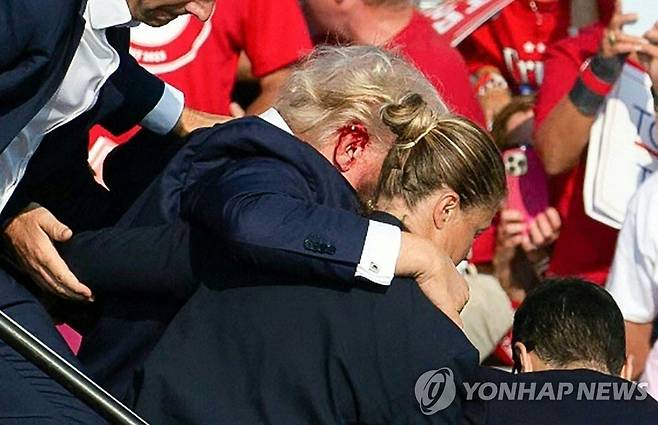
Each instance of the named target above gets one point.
<point>265,214</point>
<point>142,260</point>
<point>24,52</point>
<point>131,92</point>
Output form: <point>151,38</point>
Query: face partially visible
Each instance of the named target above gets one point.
<point>456,236</point>
<point>160,12</point>
<point>324,17</point>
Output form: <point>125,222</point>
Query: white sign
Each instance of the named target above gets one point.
<point>623,150</point>
<point>457,19</point>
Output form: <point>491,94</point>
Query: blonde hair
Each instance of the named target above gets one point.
<point>439,152</point>
<point>336,86</point>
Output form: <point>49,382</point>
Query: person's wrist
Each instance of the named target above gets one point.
<point>595,82</point>
<point>415,259</point>
<point>180,129</point>
<point>607,69</point>
<point>426,265</point>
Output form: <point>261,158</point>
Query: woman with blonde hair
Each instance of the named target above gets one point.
<point>445,184</point>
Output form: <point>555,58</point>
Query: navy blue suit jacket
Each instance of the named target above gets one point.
<point>289,349</point>
<point>570,409</point>
<point>37,42</point>
<point>254,195</point>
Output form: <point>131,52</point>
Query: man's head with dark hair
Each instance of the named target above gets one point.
<point>568,324</point>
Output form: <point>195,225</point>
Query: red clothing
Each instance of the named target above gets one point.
<point>442,64</point>
<point>515,41</point>
<point>484,246</point>
<point>201,59</point>
<point>585,246</point>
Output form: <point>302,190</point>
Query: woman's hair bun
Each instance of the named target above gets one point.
<point>409,118</point>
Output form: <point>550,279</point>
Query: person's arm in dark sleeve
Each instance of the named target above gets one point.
<point>132,95</point>
<point>264,213</point>
<point>28,38</point>
<point>142,260</point>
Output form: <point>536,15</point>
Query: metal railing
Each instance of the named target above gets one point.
<point>67,375</point>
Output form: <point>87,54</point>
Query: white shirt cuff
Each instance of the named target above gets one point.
<point>380,253</point>
<point>163,118</point>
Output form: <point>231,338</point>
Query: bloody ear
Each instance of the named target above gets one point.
<point>352,139</point>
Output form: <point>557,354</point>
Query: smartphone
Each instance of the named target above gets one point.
<point>647,12</point>
<point>527,184</point>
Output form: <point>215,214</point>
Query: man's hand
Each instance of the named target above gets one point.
<point>435,273</point>
<point>615,42</point>
<point>192,119</point>
<point>31,234</point>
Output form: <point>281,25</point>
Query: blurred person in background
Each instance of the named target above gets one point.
<point>506,55</point>
<point>511,255</point>
<point>521,243</point>
<point>633,280</point>
<point>397,25</point>
<point>567,106</point>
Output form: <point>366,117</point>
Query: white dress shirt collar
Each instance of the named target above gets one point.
<point>105,14</point>
<point>273,117</point>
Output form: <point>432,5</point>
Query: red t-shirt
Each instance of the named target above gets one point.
<point>585,247</point>
<point>442,64</point>
<point>200,58</point>
<point>515,41</point>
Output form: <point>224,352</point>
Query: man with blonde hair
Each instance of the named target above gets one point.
<point>261,200</point>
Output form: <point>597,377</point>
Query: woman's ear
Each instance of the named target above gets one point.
<point>446,208</point>
<point>523,355</point>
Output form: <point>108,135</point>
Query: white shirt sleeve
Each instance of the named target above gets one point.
<point>380,253</point>
<point>633,281</point>
<point>165,115</point>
